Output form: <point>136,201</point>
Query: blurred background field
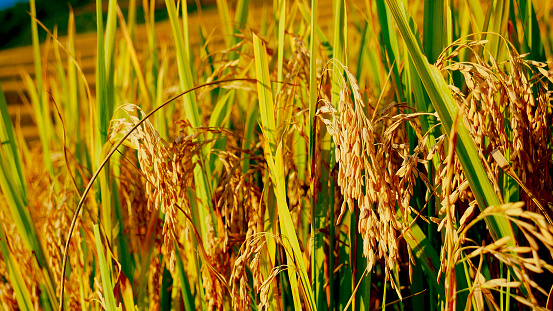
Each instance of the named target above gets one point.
<point>16,53</point>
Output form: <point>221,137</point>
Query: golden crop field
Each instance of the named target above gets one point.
<point>284,155</point>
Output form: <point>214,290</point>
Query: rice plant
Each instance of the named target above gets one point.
<point>322,155</point>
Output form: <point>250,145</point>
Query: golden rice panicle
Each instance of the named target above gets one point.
<point>514,94</point>
<point>232,191</point>
<point>531,127</point>
<point>368,171</point>
<point>524,261</point>
<point>298,64</point>
<point>54,230</point>
<point>215,261</point>
<point>239,279</point>
<point>53,237</point>
<point>346,128</point>
<point>25,260</point>
<point>99,293</point>
<point>213,290</point>
<point>7,294</point>
<point>296,69</point>
<point>236,190</point>
<point>134,201</point>
<point>49,207</point>
<point>264,288</point>
<point>179,176</point>
<point>167,168</point>
<point>239,282</point>
<point>77,261</point>
<point>481,106</point>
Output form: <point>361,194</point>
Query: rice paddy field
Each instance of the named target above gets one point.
<point>285,155</point>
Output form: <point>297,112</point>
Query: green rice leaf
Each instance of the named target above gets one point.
<point>40,103</point>
<point>276,169</point>
<point>105,271</point>
<point>434,36</point>
<point>184,284</point>
<point>265,93</point>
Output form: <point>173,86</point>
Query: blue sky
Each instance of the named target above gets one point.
<point>4,4</point>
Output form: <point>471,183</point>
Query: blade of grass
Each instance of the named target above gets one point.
<point>40,104</point>
<point>240,19</point>
<point>288,230</point>
<point>73,106</point>
<point>184,65</point>
<point>144,93</point>
<point>281,25</point>
<point>318,256</point>
<point>219,118</point>
<point>251,122</point>
<point>166,290</point>
<point>161,120</point>
<point>265,94</point>
<point>104,71</point>
<point>391,56</point>
<point>530,26</point>
<point>185,30</point>
<point>10,152</point>
<point>323,218</point>
<point>105,271</point>
<point>363,51</point>
<point>127,295</point>
<point>433,38</point>
<point>496,23</point>
<point>313,96</point>
<point>187,296</point>
<point>340,31</point>
<point>339,54</point>
<point>268,127</point>
<point>476,15</point>
<point>105,106</point>
<point>224,15</point>
<point>275,160</point>
<point>109,58</point>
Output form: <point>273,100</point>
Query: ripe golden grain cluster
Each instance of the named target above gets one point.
<point>7,295</point>
<point>510,95</point>
<point>367,176</point>
<point>377,172</point>
<point>167,168</point>
<point>49,208</point>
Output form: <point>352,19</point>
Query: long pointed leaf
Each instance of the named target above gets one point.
<point>275,162</point>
